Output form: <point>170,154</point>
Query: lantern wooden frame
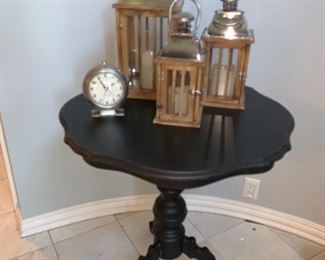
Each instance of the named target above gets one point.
<point>242,47</point>
<point>194,110</point>
<point>130,31</point>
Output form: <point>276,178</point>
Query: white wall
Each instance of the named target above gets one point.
<point>47,47</point>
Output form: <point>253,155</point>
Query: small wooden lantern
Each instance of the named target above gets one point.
<point>180,73</point>
<point>141,33</point>
<point>227,41</point>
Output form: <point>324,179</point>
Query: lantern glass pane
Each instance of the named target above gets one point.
<point>148,43</point>
<point>186,94</point>
<point>130,46</point>
<point>224,64</point>
<point>144,36</point>
<point>152,36</point>
<point>178,92</point>
<point>161,35</point>
<point>169,101</point>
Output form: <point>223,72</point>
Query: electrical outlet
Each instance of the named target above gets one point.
<point>251,188</point>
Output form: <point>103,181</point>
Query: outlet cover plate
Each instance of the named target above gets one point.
<point>251,188</point>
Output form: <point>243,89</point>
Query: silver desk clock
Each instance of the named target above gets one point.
<point>107,88</point>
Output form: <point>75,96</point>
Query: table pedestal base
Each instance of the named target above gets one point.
<point>170,240</point>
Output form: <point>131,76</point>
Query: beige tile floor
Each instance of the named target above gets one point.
<point>124,237</point>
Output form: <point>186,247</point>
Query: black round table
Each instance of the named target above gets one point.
<point>229,143</point>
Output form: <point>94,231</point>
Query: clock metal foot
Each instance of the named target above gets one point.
<point>192,250</point>
<point>153,252</point>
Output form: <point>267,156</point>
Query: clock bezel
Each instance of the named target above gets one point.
<point>102,69</point>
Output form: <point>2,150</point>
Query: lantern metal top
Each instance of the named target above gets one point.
<point>183,17</point>
<point>182,48</point>
<point>230,23</point>
<point>183,20</point>
<point>181,24</point>
<point>183,42</point>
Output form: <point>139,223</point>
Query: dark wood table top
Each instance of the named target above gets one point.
<point>229,143</point>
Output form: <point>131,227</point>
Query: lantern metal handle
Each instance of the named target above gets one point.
<point>198,17</point>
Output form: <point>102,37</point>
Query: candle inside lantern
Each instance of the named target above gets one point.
<point>223,80</point>
<point>147,70</point>
<point>148,54</point>
<point>180,106</point>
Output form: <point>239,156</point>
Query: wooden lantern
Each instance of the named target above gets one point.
<point>227,41</point>
<point>180,73</point>
<point>141,33</point>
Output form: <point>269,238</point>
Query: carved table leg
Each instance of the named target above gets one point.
<point>170,240</point>
<point>192,250</point>
<point>151,227</point>
<point>153,252</point>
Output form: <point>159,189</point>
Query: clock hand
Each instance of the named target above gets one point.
<point>101,82</point>
<point>108,91</point>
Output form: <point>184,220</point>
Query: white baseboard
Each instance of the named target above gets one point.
<point>300,227</point>
<point>272,218</point>
<point>85,211</point>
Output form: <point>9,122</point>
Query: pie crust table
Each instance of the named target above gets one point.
<point>229,143</point>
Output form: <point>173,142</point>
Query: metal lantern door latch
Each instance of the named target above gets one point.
<point>197,92</point>
<point>159,106</point>
<point>242,76</point>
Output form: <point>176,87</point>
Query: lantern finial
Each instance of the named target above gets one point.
<point>229,5</point>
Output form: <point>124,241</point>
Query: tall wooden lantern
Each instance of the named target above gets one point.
<point>179,68</point>
<point>141,32</point>
<point>227,41</point>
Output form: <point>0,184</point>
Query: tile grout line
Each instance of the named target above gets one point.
<point>3,180</point>
<point>319,253</point>
<point>243,221</point>
<point>207,239</point>
<point>10,199</point>
<point>55,250</point>
<point>92,229</point>
<point>188,219</point>
<point>5,175</point>
<point>7,213</point>
<point>27,253</point>
<point>282,240</point>
<point>127,235</point>
<point>300,238</point>
<point>32,251</point>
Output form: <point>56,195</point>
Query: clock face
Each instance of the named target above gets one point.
<point>105,87</point>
